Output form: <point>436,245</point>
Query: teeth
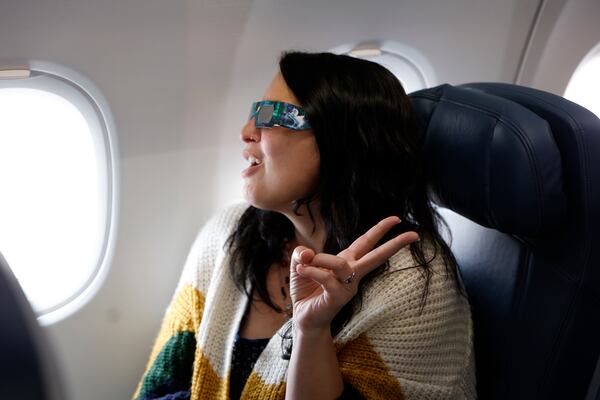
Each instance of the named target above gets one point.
<point>253,160</point>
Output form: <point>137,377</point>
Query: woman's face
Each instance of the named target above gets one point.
<point>288,160</point>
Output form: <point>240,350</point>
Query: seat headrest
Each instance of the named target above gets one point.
<point>491,160</point>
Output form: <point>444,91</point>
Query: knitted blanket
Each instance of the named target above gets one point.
<point>392,348</point>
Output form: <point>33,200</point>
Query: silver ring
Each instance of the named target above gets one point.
<point>350,278</point>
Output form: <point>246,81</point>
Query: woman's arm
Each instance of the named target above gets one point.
<point>313,372</point>
<point>320,286</point>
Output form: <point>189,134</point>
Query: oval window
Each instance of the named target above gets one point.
<point>411,67</point>
<point>584,85</point>
<point>58,200</point>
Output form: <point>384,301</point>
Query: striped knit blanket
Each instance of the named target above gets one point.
<point>390,349</point>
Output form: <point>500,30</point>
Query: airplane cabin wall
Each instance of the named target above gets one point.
<point>179,77</point>
<point>565,32</point>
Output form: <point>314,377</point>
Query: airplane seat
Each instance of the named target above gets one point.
<point>28,369</point>
<point>515,171</point>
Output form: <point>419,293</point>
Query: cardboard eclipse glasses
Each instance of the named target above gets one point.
<point>268,114</point>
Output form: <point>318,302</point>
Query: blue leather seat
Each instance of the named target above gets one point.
<point>520,171</point>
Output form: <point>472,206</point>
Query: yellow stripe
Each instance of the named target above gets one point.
<point>256,388</point>
<point>360,366</point>
<point>206,384</point>
<point>364,369</point>
<point>184,315</point>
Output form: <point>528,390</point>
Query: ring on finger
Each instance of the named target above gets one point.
<point>349,278</point>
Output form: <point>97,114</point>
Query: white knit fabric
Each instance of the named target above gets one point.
<point>428,349</point>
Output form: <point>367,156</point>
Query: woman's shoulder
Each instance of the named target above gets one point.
<point>434,261</point>
<point>410,288</point>
<point>408,311</point>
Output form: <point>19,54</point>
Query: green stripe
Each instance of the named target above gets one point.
<point>172,370</point>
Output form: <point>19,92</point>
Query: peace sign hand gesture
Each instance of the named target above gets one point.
<point>321,284</point>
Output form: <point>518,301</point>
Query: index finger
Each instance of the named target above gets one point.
<point>368,240</point>
<point>381,254</point>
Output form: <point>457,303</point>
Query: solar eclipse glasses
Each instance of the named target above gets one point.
<point>268,114</point>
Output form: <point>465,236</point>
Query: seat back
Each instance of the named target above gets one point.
<point>515,168</point>
<point>28,370</point>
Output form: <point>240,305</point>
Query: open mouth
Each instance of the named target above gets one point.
<point>255,163</point>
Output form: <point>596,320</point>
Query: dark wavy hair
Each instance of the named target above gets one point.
<point>371,166</point>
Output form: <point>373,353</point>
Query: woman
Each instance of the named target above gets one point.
<point>289,297</point>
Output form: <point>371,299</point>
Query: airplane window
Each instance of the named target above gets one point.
<point>411,68</point>
<point>56,177</point>
<point>584,85</point>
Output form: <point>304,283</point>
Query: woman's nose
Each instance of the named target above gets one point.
<point>249,132</point>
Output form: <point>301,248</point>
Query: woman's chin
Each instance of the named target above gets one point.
<point>260,202</point>
<point>252,197</point>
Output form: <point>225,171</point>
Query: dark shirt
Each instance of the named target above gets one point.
<point>245,354</point>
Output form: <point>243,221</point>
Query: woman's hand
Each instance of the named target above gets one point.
<point>321,284</point>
